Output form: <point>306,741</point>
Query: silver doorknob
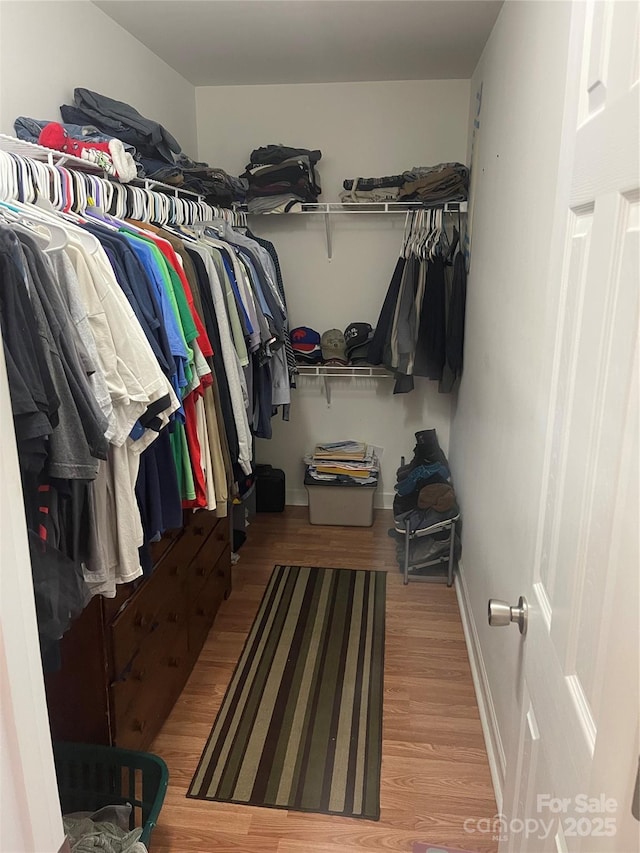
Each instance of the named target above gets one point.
<point>500,613</point>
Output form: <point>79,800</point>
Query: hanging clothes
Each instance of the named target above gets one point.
<point>420,330</point>
<point>141,362</point>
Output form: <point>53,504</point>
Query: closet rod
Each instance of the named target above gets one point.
<point>327,209</point>
<point>26,178</point>
<point>42,154</point>
<point>332,207</point>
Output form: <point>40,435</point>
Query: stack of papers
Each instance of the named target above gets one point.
<point>344,461</point>
<point>349,451</point>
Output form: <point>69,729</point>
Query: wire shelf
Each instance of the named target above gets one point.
<point>33,151</point>
<point>347,371</point>
<point>332,207</point>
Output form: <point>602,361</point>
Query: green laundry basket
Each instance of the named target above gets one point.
<point>90,777</point>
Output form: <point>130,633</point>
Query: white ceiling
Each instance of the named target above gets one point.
<point>247,42</point>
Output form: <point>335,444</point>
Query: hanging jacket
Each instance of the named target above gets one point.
<point>385,320</point>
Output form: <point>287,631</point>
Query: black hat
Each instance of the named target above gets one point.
<point>357,335</point>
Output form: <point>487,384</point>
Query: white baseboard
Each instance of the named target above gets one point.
<point>298,497</point>
<point>493,741</point>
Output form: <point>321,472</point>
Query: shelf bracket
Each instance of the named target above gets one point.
<point>327,226</point>
<point>327,391</point>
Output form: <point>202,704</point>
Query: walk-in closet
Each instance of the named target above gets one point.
<point>319,426</point>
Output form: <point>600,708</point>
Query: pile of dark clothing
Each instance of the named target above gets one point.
<point>428,184</point>
<point>118,119</point>
<point>281,179</point>
<point>216,185</point>
<point>157,154</point>
<point>424,500</point>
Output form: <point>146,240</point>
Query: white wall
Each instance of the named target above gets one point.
<point>30,819</point>
<point>365,129</point>
<point>499,426</point>
<point>48,48</point>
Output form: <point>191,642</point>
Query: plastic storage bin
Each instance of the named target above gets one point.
<point>90,777</point>
<point>344,505</point>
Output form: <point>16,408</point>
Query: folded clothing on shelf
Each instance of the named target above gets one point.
<point>367,184</point>
<point>123,121</point>
<point>95,118</point>
<point>446,182</point>
<point>428,184</point>
<point>279,176</point>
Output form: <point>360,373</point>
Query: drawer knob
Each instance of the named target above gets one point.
<point>221,573</point>
<point>139,726</point>
<point>173,617</point>
<point>140,674</point>
<point>198,531</point>
<point>201,611</point>
<point>173,571</point>
<point>201,571</point>
<point>175,662</point>
<point>141,620</point>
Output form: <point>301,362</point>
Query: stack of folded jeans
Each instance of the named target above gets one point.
<point>436,184</point>
<point>424,500</point>
<point>372,190</point>
<point>281,179</point>
<point>428,184</point>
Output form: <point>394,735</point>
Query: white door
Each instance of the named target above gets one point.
<point>573,777</point>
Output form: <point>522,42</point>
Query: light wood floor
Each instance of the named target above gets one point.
<point>435,772</point>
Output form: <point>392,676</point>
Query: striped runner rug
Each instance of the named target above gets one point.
<point>300,726</point>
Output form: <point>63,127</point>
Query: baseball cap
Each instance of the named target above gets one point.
<point>313,356</point>
<point>333,345</point>
<point>357,335</point>
<point>304,339</point>
<point>360,355</point>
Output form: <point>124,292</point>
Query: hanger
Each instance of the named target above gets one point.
<point>434,236</point>
<point>422,222</point>
<point>8,180</point>
<point>19,213</point>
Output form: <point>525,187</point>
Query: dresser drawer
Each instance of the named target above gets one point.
<point>160,599</point>
<point>204,603</point>
<point>142,699</point>
<point>202,518</point>
<point>112,606</point>
<point>160,548</point>
<point>204,563</point>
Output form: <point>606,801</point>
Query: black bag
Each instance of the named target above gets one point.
<point>270,489</point>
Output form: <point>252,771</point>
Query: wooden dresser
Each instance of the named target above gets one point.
<point>126,660</point>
